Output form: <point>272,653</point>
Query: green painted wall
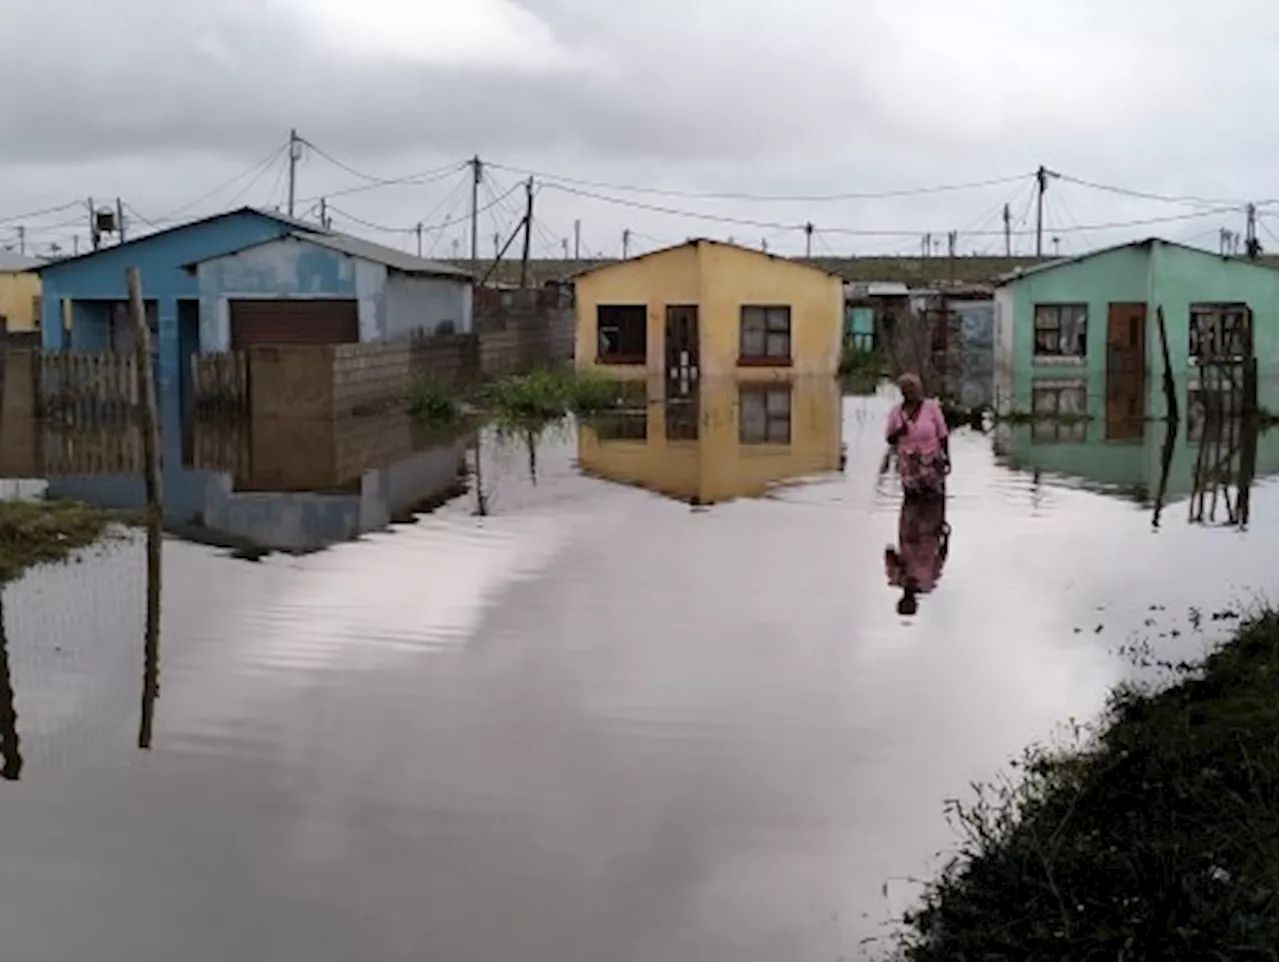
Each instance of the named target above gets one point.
<point>1158,275</point>
<point>1119,275</point>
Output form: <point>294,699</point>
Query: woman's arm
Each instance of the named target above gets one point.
<point>895,427</point>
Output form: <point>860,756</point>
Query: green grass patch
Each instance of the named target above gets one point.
<point>1154,839</point>
<point>547,395</point>
<point>435,403</point>
<point>41,532</point>
<point>861,363</point>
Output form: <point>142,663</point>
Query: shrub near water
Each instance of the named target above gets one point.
<point>39,532</point>
<point>548,395</point>
<point>1158,841</point>
<point>432,402</point>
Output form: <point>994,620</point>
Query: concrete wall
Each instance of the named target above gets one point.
<point>717,466</point>
<point>1161,275</point>
<point>417,303</point>
<point>18,293</point>
<point>720,280</point>
<point>160,258</point>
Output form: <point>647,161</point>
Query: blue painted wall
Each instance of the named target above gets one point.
<point>160,258</point>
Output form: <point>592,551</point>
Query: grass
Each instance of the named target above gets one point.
<point>862,364</point>
<point>434,402</point>
<point>42,532</point>
<point>1154,840</point>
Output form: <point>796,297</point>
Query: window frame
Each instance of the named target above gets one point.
<point>1218,310</point>
<point>765,359</point>
<point>764,392</point>
<point>1057,427</point>
<point>622,357</point>
<point>1058,357</point>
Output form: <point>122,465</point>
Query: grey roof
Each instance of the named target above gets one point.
<point>259,211</point>
<point>1147,242</point>
<point>354,247</point>
<point>395,259</point>
<point>694,242</point>
<point>11,263</point>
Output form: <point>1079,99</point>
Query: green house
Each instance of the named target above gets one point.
<point>1082,337</point>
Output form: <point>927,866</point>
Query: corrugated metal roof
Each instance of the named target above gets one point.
<point>11,263</point>
<point>395,259</point>
<point>1147,242</point>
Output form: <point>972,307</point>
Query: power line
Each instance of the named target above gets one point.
<point>264,164</point>
<point>1145,195</point>
<point>41,213</point>
<point>385,228</point>
<point>421,177</point>
<point>730,195</point>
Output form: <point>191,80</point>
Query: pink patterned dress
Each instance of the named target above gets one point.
<point>922,460</point>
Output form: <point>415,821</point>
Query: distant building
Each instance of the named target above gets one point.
<point>19,297</point>
<point>1081,336</point>
<point>315,287</point>
<point>706,308</point>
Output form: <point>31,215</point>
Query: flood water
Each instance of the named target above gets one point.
<point>640,693</point>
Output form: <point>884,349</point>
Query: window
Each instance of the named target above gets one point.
<point>1061,331</point>
<point>623,426</point>
<point>765,336</point>
<point>764,415</point>
<point>621,332</point>
<point>36,307</point>
<point>1220,332</point>
<point>1059,411</point>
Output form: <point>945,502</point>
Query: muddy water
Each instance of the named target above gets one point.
<point>596,722</point>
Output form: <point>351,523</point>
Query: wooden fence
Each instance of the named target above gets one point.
<point>220,382</point>
<point>87,386</point>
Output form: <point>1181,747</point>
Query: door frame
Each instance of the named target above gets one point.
<point>684,369</point>
<point>1125,382</point>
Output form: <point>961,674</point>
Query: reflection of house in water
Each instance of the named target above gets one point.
<point>1157,465</point>
<point>267,483</point>
<point>726,439</point>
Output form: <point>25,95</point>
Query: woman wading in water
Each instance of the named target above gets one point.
<point>917,432</point>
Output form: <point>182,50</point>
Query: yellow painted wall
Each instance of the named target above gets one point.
<point>734,276</point>
<point>718,467</point>
<point>667,277</point>
<point>18,292</point>
<point>719,279</point>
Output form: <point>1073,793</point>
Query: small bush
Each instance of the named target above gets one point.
<point>550,395</point>
<point>591,394</point>
<point>40,532</point>
<point>859,362</point>
<point>431,402</point>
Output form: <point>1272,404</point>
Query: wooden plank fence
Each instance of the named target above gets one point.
<point>87,386</point>
<point>220,383</point>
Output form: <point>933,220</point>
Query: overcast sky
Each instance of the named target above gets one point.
<point>160,102</point>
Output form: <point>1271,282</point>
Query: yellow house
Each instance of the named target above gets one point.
<point>708,309</point>
<point>19,295</point>
<point>725,439</point>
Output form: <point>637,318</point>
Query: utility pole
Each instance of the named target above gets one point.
<point>453,245</point>
<point>75,245</point>
<point>764,244</point>
<point>577,240</point>
<point>1042,182</point>
<point>927,244</point>
<point>476,174</point>
<point>1008,232</point>
<point>1251,246</point>
<point>497,244</point>
<point>1056,240</point>
<point>293,167</point>
<point>808,239</point>
<point>951,256</point>
<point>93,226</point>
<point>22,240</point>
<point>564,246</point>
<point>418,230</point>
<point>626,242</point>
<point>324,214</point>
<point>528,229</point>
<point>120,219</point>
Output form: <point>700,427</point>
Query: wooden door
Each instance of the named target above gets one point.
<point>681,350</point>
<point>1126,371</point>
<point>293,321</point>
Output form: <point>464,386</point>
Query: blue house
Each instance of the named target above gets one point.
<point>84,306</point>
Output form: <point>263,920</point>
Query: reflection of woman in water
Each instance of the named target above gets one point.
<point>917,431</point>
<point>924,537</point>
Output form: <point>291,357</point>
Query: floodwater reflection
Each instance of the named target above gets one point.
<point>722,439</point>
<point>924,538</point>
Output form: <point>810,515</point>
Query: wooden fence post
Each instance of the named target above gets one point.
<point>155,502</point>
